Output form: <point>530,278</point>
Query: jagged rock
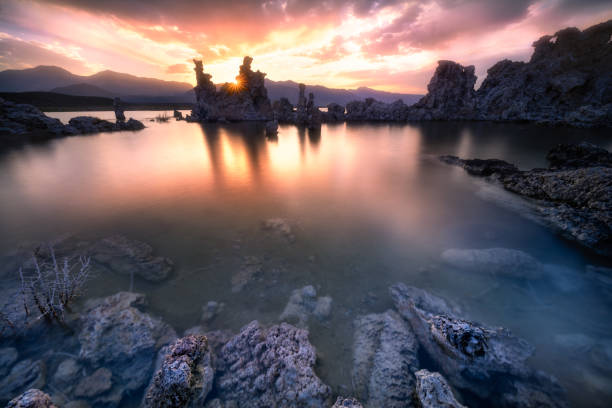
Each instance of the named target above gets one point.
<point>301,109</point>
<point>125,256</point>
<point>95,384</point>
<point>89,124</point>
<point>270,367</point>
<point>272,128</point>
<point>8,357</point>
<point>23,375</point>
<point>32,398</point>
<point>335,113</point>
<point>574,156</point>
<point>251,267</point>
<point>178,115</point>
<point>185,377</point>
<point>384,360</point>
<point>303,303</point>
<point>403,295</point>
<point>373,110</point>
<point>22,122</point>
<point>472,357</point>
<point>343,402</point>
<point>247,99</point>
<point>480,167</point>
<point>568,80</point>
<point>573,200</point>
<point>283,111</point>
<point>450,96</point>
<point>313,113</point>
<point>499,261</point>
<point>118,108</point>
<point>432,391</point>
<point>118,336</point>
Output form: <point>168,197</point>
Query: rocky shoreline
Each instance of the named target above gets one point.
<point>572,196</point>
<point>22,123</point>
<point>567,81</point>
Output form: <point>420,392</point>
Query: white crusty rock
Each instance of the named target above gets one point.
<point>185,377</point>
<point>384,360</point>
<point>270,368</point>
<point>342,402</point>
<point>432,391</point>
<point>32,398</point>
<point>118,336</point>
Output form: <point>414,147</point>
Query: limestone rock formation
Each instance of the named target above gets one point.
<point>185,377</point>
<point>118,336</point>
<point>19,121</point>
<point>432,391</point>
<point>178,115</point>
<point>342,402</point>
<point>89,124</point>
<point>32,398</point>
<point>471,356</point>
<point>247,99</point>
<point>450,96</point>
<point>272,128</point>
<point>384,360</point>
<point>283,111</point>
<point>373,110</point>
<point>270,367</point>
<point>335,113</point>
<point>567,80</point>
<point>573,195</point>
<point>118,108</point>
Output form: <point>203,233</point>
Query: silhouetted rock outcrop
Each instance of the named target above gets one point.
<point>247,99</point>
<point>283,111</point>
<point>20,123</point>
<point>373,110</point>
<point>335,113</point>
<point>118,108</point>
<point>568,80</point>
<point>573,195</point>
<point>450,94</point>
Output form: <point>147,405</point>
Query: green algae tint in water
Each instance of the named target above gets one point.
<point>368,205</point>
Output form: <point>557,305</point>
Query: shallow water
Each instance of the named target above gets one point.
<point>369,205</point>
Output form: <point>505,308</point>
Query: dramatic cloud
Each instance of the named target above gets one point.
<point>388,44</point>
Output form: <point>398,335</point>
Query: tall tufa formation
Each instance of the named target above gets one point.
<point>247,99</point>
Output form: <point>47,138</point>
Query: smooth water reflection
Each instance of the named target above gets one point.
<point>369,205</point>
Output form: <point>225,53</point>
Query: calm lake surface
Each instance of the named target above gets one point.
<point>369,205</point>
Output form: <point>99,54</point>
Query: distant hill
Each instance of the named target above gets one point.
<point>324,95</point>
<point>131,88</point>
<point>82,90</point>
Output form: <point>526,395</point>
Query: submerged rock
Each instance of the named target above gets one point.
<point>22,376</point>
<point>8,357</point>
<point>279,226</point>
<point>125,256</point>
<point>498,261</point>
<point>432,391</point>
<point>250,269</point>
<point>97,383</point>
<point>270,367</point>
<point>479,167</point>
<point>384,360</point>
<point>569,197</point>
<point>32,398</point>
<point>343,402</point>
<point>473,357</point>
<point>304,303</point>
<point>185,377</point>
<point>118,336</point>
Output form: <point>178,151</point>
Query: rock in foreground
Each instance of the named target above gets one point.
<point>432,391</point>
<point>270,367</point>
<point>186,375</point>
<point>32,398</point>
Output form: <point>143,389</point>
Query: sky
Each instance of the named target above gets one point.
<point>388,45</point>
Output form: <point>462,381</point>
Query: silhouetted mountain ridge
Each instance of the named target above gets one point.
<point>132,88</point>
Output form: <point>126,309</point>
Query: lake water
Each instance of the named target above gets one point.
<point>369,205</point>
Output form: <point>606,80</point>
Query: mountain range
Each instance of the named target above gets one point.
<point>131,88</point>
